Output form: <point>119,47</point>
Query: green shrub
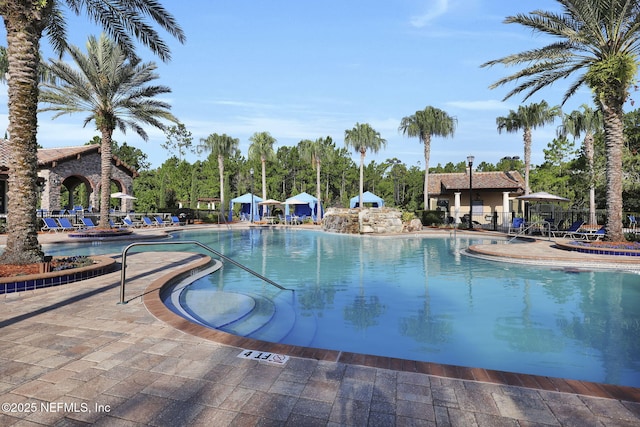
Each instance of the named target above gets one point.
<point>632,237</point>
<point>431,217</point>
<point>408,216</point>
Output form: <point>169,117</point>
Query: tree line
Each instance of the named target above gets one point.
<point>289,170</point>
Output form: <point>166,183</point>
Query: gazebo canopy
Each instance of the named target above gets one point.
<point>245,202</point>
<point>309,207</point>
<point>367,197</point>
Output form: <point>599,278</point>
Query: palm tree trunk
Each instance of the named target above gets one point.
<point>264,184</point>
<point>318,190</point>
<point>589,151</point>
<point>23,41</point>
<point>221,170</point>
<point>362,154</point>
<point>427,155</point>
<point>527,159</point>
<point>105,175</point>
<point>613,131</point>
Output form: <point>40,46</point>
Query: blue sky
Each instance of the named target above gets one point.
<point>304,70</point>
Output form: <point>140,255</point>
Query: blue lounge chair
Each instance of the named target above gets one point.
<point>573,228</point>
<point>88,223</point>
<point>66,224</point>
<point>128,223</point>
<point>589,235</point>
<point>175,220</point>
<point>50,225</point>
<point>146,222</point>
<point>633,223</point>
<point>160,221</point>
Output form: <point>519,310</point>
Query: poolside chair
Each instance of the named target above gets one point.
<point>516,226</point>
<point>632,223</point>
<point>175,220</point>
<point>160,221</point>
<point>50,225</point>
<point>114,225</point>
<point>573,228</point>
<point>146,222</point>
<point>589,235</point>
<point>128,223</point>
<point>66,224</point>
<point>88,223</point>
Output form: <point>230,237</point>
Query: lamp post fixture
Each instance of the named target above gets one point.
<point>470,160</point>
<point>251,208</point>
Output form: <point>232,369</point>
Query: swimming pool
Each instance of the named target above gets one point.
<point>419,299</point>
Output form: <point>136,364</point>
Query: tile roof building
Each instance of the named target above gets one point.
<point>69,167</point>
<point>492,196</point>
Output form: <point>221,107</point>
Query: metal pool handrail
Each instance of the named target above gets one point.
<point>188,242</point>
<point>523,231</point>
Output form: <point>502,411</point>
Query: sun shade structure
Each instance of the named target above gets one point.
<point>303,204</point>
<point>367,197</point>
<point>120,195</point>
<point>269,202</point>
<point>245,205</point>
<point>542,196</point>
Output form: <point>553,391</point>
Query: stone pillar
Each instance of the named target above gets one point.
<point>51,192</point>
<point>456,207</point>
<point>506,214</point>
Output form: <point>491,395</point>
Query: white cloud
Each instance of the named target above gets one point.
<point>437,9</point>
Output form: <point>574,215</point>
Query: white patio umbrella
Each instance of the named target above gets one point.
<point>120,195</point>
<point>542,196</point>
<point>270,202</point>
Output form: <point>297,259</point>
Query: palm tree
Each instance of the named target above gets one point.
<point>424,124</point>
<point>317,152</point>
<point>587,122</point>
<point>116,93</point>
<point>527,117</point>
<point>221,146</point>
<point>362,138</point>
<point>262,149</point>
<point>601,41</point>
<point>25,22</point>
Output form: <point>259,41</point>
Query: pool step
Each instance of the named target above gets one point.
<point>287,327</point>
<point>247,323</point>
<point>254,316</point>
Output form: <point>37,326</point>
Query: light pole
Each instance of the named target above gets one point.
<point>470,160</point>
<point>251,208</point>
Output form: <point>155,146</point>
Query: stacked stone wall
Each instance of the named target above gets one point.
<point>365,221</point>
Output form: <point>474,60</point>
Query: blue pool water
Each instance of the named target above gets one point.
<point>419,299</point>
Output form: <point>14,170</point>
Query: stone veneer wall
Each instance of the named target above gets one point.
<point>365,221</point>
<point>87,169</point>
